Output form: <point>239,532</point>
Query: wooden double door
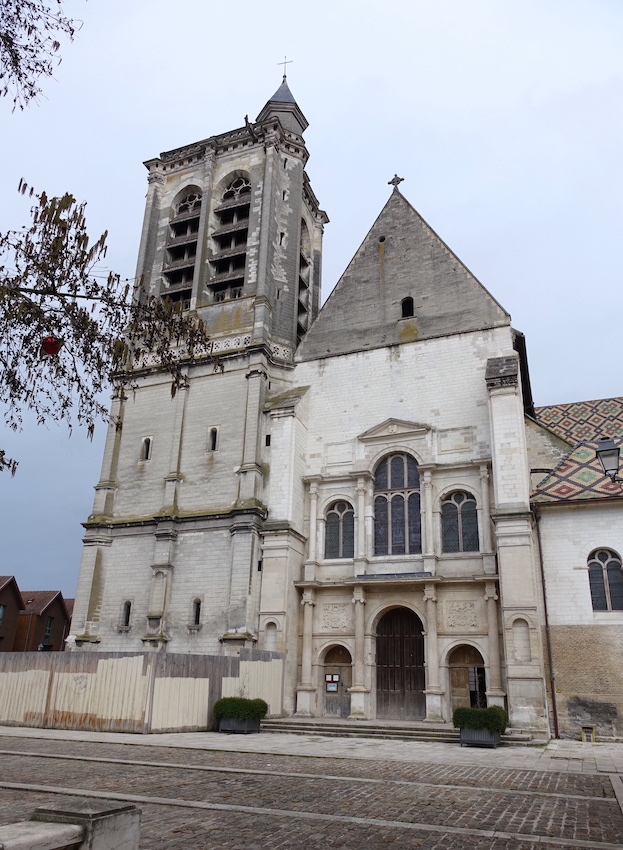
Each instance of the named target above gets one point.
<point>400,675</point>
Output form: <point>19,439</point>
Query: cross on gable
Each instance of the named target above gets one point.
<point>395,181</point>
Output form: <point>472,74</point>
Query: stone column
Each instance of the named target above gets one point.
<point>484,512</point>
<point>358,692</point>
<point>428,534</point>
<point>313,544</point>
<point>360,538</point>
<point>495,694</point>
<point>313,521</point>
<point>305,691</point>
<point>369,519</point>
<point>434,692</point>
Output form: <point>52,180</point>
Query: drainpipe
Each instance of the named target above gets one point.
<point>31,615</point>
<point>548,636</point>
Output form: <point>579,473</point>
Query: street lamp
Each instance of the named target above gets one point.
<point>608,456</point>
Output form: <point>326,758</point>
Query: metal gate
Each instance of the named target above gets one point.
<point>400,678</point>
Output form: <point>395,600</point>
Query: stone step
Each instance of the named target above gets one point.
<point>440,733</point>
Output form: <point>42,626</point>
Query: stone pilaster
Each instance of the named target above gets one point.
<point>434,692</point>
<point>305,692</point>
<point>358,691</point>
<point>495,694</point>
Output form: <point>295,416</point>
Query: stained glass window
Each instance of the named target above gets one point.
<point>397,520</point>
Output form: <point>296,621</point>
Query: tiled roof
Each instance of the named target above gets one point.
<point>578,477</point>
<point>5,580</point>
<point>38,600</point>
<point>584,420</point>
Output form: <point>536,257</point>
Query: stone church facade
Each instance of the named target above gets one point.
<point>350,486</point>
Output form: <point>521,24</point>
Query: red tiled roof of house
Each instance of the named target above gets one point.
<point>37,601</point>
<point>5,580</point>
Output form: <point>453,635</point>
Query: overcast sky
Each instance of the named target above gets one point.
<point>503,117</point>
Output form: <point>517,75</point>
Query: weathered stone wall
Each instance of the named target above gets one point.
<point>589,681</point>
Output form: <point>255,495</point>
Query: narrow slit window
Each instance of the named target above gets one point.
<point>197,612</point>
<point>407,308</point>
<point>127,612</point>
<point>213,440</point>
<point>146,447</point>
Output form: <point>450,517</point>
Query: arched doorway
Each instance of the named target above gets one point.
<point>400,678</point>
<point>338,672</point>
<point>467,678</point>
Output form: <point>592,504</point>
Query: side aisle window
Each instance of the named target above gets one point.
<point>340,531</point>
<point>605,577</point>
<point>459,523</point>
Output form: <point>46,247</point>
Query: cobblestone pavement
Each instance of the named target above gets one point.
<point>210,799</point>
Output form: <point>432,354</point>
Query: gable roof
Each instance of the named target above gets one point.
<point>578,477</point>
<point>400,257</point>
<point>37,601</point>
<point>584,420</point>
<point>5,581</point>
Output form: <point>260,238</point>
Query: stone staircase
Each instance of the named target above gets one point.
<point>390,729</point>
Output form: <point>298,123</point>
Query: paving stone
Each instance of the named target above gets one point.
<point>392,812</point>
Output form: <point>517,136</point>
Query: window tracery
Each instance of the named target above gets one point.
<point>228,261</point>
<point>459,523</point>
<point>181,250</point>
<point>397,518</point>
<point>340,531</point>
<point>605,576</point>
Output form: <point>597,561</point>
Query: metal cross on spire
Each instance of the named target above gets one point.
<point>285,62</point>
<point>395,181</point>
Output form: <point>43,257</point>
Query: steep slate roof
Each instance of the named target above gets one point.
<point>283,106</point>
<point>577,477</point>
<point>283,94</point>
<point>584,420</point>
<point>401,256</point>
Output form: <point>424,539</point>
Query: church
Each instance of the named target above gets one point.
<point>367,487</point>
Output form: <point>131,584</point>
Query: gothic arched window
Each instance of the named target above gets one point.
<point>459,523</point>
<point>181,252</point>
<point>229,256</point>
<point>605,577</point>
<point>397,521</point>
<point>339,539</point>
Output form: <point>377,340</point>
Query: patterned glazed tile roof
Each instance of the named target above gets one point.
<point>578,477</point>
<point>584,420</point>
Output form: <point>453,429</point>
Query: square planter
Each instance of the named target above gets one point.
<point>242,727</point>
<point>480,738</point>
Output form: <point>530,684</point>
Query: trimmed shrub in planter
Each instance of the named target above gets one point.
<point>239,714</point>
<point>480,726</point>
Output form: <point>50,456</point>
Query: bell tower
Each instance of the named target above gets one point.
<point>233,230</point>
